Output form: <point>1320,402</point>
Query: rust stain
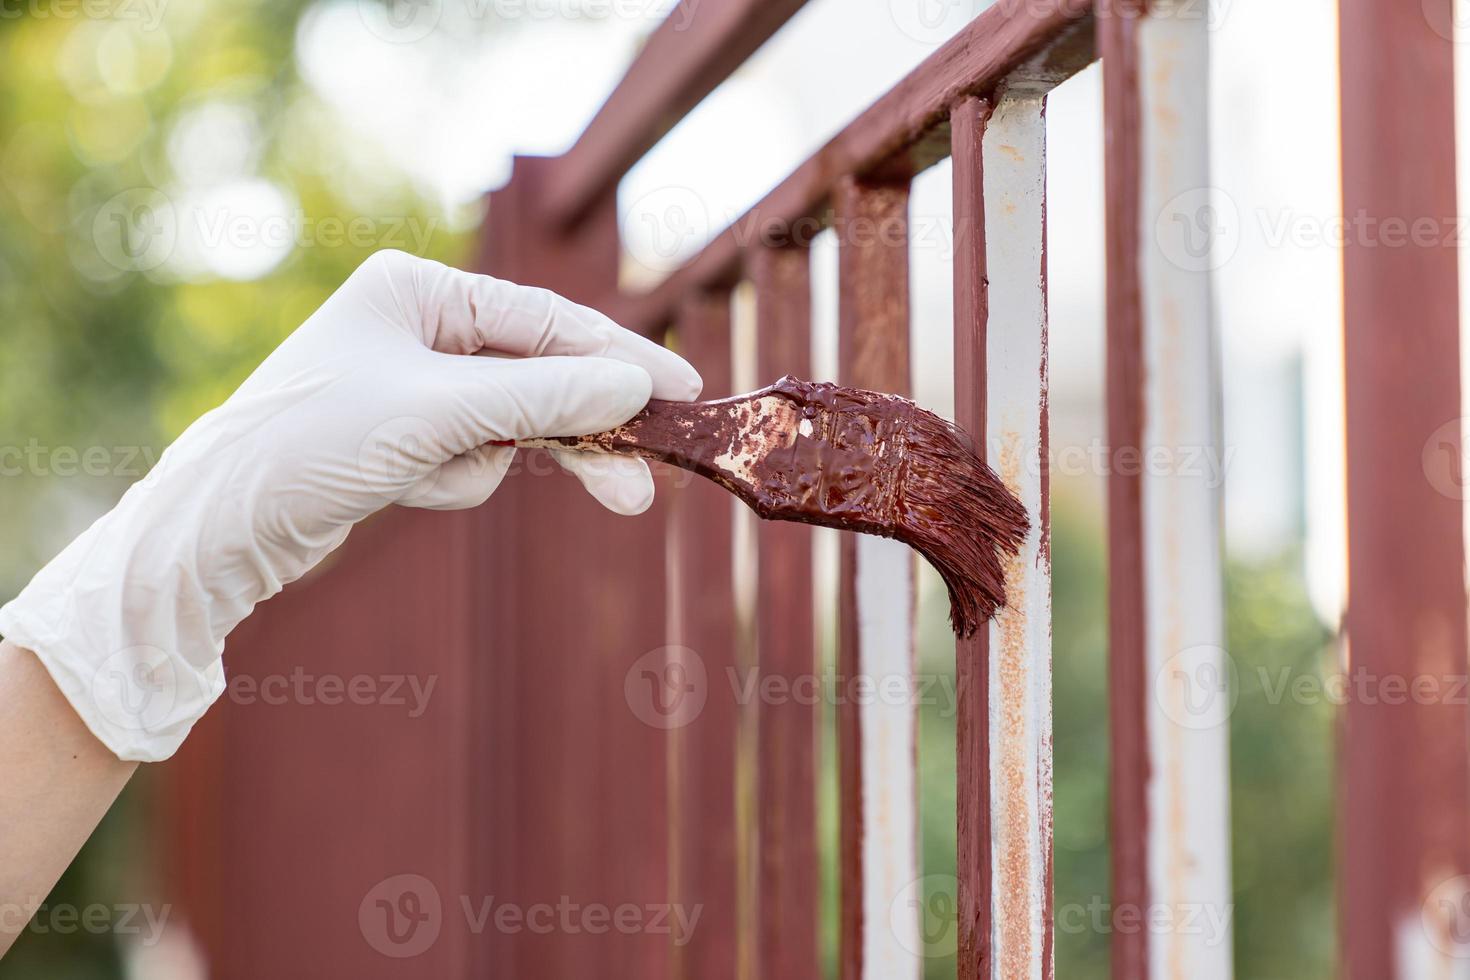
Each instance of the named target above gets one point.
<point>1180,860</point>
<point>1010,771</point>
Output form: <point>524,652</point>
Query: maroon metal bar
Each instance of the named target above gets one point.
<point>1405,778</point>
<point>972,757</point>
<point>1127,680</point>
<point>703,832</point>
<point>901,132</point>
<point>873,352</point>
<point>587,785</point>
<point>696,48</point>
<point>790,927</point>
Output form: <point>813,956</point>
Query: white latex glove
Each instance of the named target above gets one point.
<point>373,400</point>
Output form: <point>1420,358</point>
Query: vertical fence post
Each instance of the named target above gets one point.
<point>1169,674</point>
<point>972,680</point>
<point>578,807</point>
<point>788,896</point>
<point>1405,886</point>
<point>877,741</point>
<point>1004,754</point>
<point>703,872</point>
<point>1010,174</point>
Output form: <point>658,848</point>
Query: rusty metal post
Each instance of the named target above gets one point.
<point>702,739</point>
<point>1405,899</point>
<point>972,675</point>
<point>1018,709</point>
<point>789,903</point>
<point>1169,673</point>
<point>877,741</point>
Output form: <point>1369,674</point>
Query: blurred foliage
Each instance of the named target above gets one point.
<point>117,357</point>
<point>99,351</point>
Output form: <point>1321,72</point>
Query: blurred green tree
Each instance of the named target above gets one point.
<point>113,335</point>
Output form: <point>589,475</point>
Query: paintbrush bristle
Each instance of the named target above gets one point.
<point>958,514</point>
<point>879,464</point>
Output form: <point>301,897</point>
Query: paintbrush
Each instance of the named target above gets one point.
<point>841,457</point>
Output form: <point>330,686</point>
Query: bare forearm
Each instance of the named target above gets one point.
<point>56,782</point>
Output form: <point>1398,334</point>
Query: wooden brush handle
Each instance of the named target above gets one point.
<point>717,439</point>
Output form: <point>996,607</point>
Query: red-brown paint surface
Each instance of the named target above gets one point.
<point>786,772</point>
<point>1127,672</point>
<point>873,351</point>
<point>1404,772</point>
<point>972,674</point>
<point>703,832</point>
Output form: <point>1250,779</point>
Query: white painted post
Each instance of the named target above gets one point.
<point>892,944</point>
<point>1187,716</point>
<point>1014,168</point>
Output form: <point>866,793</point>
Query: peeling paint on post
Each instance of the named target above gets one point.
<point>1170,674</point>
<point>972,682</point>
<point>1020,763</point>
<point>877,740</point>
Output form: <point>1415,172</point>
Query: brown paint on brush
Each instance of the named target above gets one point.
<point>820,453</point>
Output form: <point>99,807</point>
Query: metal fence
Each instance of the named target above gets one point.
<point>544,620</point>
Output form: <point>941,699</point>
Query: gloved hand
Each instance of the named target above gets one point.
<point>374,400</point>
